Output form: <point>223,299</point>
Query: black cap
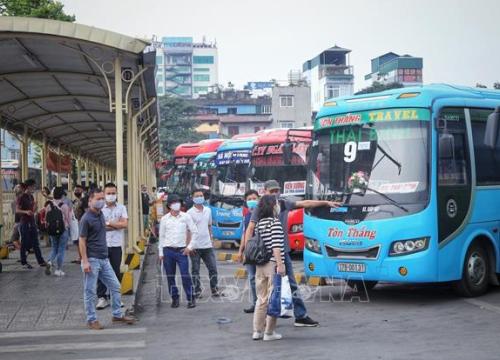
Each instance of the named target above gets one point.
<point>173,198</point>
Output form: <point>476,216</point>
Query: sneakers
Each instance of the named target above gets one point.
<point>249,310</point>
<point>306,322</point>
<point>124,319</point>
<point>94,325</point>
<point>48,268</point>
<point>191,304</point>
<point>102,303</point>
<point>175,303</point>
<point>217,293</point>
<point>44,264</point>
<point>272,337</point>
<point>59,273</point>
<point>27,266</point>
<point>257,335</point>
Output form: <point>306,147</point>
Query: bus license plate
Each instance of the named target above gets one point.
<point>228,233</point>
<point>351,267</point>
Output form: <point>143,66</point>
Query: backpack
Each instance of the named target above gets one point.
<point>54,220</point>
<point>255,250</point>
<point>40,220</point>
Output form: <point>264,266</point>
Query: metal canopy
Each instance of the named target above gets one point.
<point>57,79</point>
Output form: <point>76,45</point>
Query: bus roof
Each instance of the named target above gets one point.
<point>416,96</point>
<point>278,136</point>
<point>210,145</point>
<point>240,144</point>
<point>187,150</point>
<point>245,136</point>
<point>205,157</point>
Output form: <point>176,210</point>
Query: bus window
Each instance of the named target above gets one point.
<point>487,160</point>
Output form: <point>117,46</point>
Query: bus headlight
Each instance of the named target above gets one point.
<point>313,245</point>
<point>297,228</point>
<point>410,246</point>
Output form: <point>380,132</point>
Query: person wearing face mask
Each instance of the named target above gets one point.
<point>80,204</point>
<point>116,219</point>
<point>26,208</point>
<point>251,201</point>
<point>272,187</point>
<point>95,262</point>
<point>203,245</point>
<point>177,229</point>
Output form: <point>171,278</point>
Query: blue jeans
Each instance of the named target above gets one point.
<point>100,269</point>
<point>58,244</point>
<point>171,258</point>
<point>251,269</point>
<point>208,257</point>
<point>299,308</point>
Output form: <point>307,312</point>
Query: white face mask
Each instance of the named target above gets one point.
<point>175,206</point>
<point>277,210</point>
<point>110,198</point>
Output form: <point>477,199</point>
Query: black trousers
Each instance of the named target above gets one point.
<point>115,258</point>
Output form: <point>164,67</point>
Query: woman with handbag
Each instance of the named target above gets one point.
<point>271,234</point>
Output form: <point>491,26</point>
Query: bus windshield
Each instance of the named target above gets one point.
<point>229,186</point>
<point>371,164</point>
<point>179,181</point>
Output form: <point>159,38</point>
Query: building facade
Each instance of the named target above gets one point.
<point>329,75</point>
<point>291,106</point>
<point>231,112</point>
<point>185,68</point>
<point>393,68</point>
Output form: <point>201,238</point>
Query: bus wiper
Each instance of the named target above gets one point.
<point>388,198</point>
<point>385,154</point>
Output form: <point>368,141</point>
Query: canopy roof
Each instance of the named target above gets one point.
<point>57,79</point>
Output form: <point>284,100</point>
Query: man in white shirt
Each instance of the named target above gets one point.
<point>176,231</point>
<point>116,219</point>
<point>203,248</point>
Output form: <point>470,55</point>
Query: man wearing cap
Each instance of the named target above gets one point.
<point>176,231</point>
<point>272,187</point>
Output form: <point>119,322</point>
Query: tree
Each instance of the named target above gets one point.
<point>496,85</point>
<point>45,9</point>
<point>378,87</point>
<point>479,85</point>
<point>176,124</point>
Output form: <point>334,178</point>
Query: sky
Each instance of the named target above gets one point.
<point>259,40</point>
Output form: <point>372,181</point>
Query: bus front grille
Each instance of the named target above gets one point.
<point>233,225</point>
<point>367,253</point>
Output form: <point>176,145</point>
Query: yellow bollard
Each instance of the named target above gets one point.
<point>4,252</point>
<point>133,261</point>
<point>127,285</point>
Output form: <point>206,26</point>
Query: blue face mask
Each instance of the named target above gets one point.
<point>199,200</point>
<point>252,204</point>
<point>99,204</point>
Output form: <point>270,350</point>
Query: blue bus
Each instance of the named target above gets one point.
<point>417,171</point>
<point>228,187</point>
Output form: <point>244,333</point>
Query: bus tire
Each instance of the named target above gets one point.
<point>358,284</point>
<point>475,272</point>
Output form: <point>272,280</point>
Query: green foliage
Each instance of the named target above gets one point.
<point>378,87</point>
<point>479,85</point>
<point>176,125</point>
<point>46,9</point>
<point>496,86</point>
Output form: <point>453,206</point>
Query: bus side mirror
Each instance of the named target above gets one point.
<point>491,132</point>
<point>446,146</point>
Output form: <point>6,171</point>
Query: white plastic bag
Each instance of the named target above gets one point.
<point>286,298</point>
<point>73,229</point>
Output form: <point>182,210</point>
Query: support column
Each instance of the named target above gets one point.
<point>24,155</point>
<point>79,171</point>
<point>58,179</point>
<point>119,129</point>
<point>43,183</point>
<point>87,175</point>
<point>131,188</point>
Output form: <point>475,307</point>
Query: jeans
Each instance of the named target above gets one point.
<point>171,258</point>
<point>299,308</point>
<point>115,259</point>
<point>29,239</point>
<point>58,244</point>
<point>208,257</point>
<point>251,269</point>
<point>100,269</point>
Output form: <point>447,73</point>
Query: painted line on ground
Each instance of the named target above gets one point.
<point>113,345</point>
<point>43,333</point>
<point>483,305</point>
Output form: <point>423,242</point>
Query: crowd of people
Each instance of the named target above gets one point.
<point>96,223</point>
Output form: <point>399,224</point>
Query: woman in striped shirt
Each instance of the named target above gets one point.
<point>271,233</point>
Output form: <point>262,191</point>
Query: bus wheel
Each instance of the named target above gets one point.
<point>475,274</point>
<point>358,284</point>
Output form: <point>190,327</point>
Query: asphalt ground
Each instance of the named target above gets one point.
<point>43,317</point>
